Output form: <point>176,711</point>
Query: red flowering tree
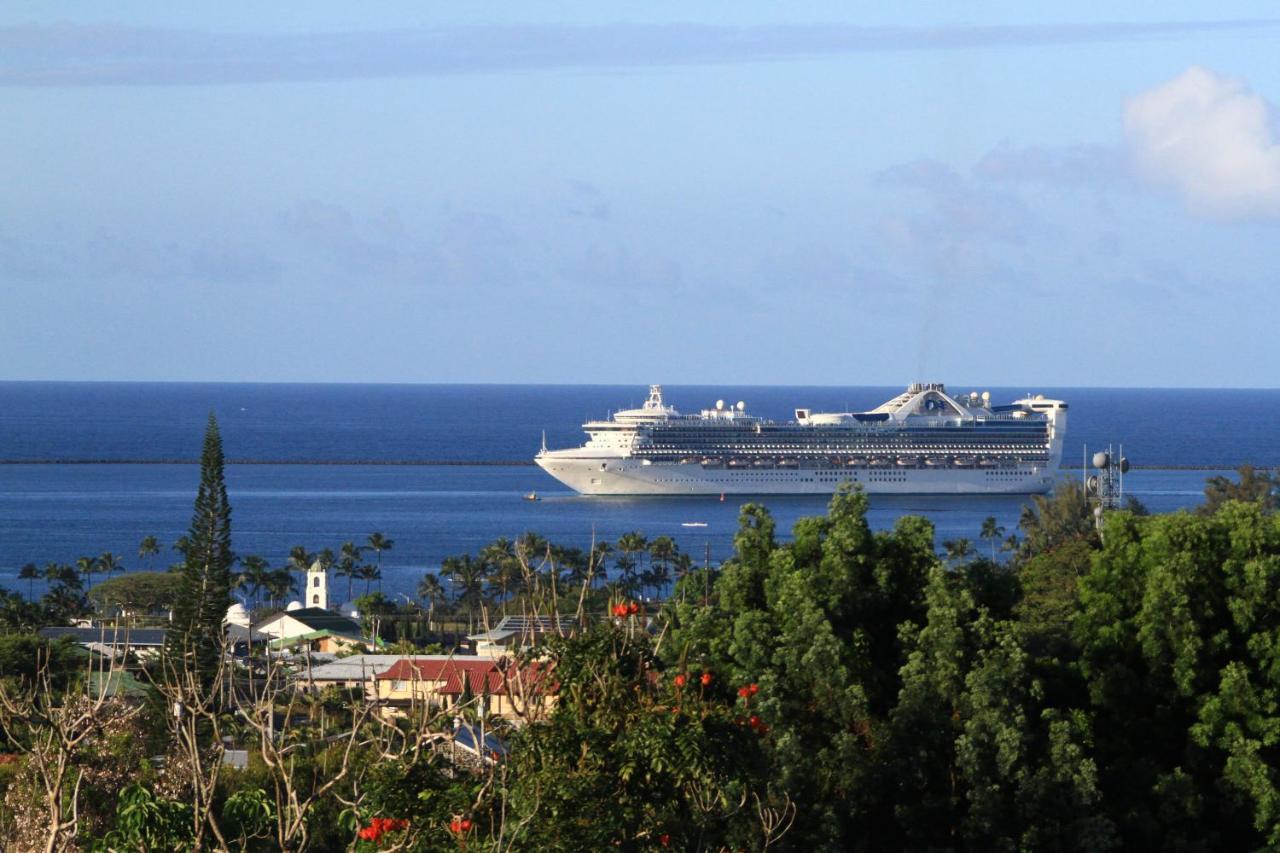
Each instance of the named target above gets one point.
<point>633,757</point>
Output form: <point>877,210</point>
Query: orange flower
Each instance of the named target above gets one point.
<point>680,679</point>
<point>706,679</point>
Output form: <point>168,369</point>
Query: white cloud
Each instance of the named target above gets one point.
<point>1210,140</point>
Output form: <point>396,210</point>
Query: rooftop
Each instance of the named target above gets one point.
<point>108,635</point>
<point>319,619</point>
<point>526,627</point>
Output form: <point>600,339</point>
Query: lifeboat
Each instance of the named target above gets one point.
<point>963,462</point>
<point>908,461</point>
<point>880,462</point>
<point>690,460</point>
<point>987,462</point>
<point>739,462</point>
<point>935,461</point>
<point>763,462</point>
<point>788,462</point>
<point>712,462</point>
<point>856,462</point>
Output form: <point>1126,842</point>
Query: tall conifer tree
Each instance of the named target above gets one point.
<point>195,636</point>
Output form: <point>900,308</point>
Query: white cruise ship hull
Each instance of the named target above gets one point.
<point>630,476</point>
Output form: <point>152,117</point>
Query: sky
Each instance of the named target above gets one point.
<point>802,193</point>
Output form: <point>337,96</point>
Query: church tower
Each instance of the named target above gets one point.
<point>317,592</point>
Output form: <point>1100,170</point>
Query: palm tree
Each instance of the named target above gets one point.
<point>599,554</point>
<point>86,566</point>
<point>147,548</point>
<point>108,563</point>
<point>632,543</point>
<point>369,573</point>
<point>468,575</point>
<point>279,583</point>
<point>431,589</point>
<point>300,560</point>
<point>377,544</point>
<point>991,531</point>
<point>502,566</point>
<point>256,576</point>
<point>573,563</point>
<point>29,573</point>
<point>626,566</point>
<point>65,591</point>
<point>662,551</point>
<point>684,565</point>
<point>958,549</point>
<point>348,563</point>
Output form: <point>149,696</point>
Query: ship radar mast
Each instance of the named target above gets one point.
<point>655,398</point>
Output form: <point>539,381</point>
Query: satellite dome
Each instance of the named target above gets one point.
<point>237,615</point>
<point>349,610</point>
<point>742,407</point>
<point>719,405</point>
<point>293,605</point>
<point>1101,459</point>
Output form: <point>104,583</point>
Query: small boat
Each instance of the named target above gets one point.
<point>532,496</point>
<point>763,462</point>
<point>712,462</point>
<point>963,462</point>
<point>690,460</point>
<point>908,461</point>
<point>880,462</point>
<point>935,461</point>
<point>739,462</point>
<point>788,462</point>
<point>988,463</point>
<point>693,524</point>
<point>856,462</point>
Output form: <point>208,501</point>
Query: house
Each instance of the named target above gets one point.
<point>356,671</point>
<point>111,640</point>
<point>515,633</point>
<point>442,682</point>
<point>314,627</point>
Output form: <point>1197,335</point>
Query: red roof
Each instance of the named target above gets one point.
<point>483,675</point>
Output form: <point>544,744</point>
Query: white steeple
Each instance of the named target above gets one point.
<point>317,591</point>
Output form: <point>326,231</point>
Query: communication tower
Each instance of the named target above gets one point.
<point>1107,485</point>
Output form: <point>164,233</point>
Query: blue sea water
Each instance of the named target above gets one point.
<point>50,511</point>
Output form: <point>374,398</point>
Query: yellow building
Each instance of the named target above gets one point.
<point>440,683</point>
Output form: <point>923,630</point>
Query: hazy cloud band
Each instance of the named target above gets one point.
<point>81,55</point>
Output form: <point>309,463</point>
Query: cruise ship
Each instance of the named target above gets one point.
<point>925,441</point>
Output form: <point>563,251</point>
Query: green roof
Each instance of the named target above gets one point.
<point>121,683</point>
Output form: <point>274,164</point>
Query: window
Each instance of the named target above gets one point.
<point>315,599</point>
<point>315,581</point>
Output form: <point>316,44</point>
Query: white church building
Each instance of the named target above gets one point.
<point>310,622</point>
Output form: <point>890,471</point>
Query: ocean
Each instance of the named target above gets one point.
<point>441,469</point>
